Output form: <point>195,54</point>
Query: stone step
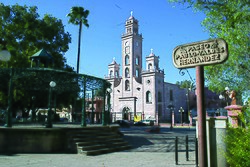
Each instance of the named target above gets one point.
<point>97,141</point>
<point>102,146</point>
<point>94,135</point>
<point>104,150</point>
<point>91,138</point>
<point>87,143</point>
<point>92,130</point>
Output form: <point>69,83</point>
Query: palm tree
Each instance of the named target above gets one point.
<point>78,16</point>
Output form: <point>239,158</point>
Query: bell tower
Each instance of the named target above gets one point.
<point>131,53</point>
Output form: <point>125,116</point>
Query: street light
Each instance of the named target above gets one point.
<point>4,53</point>
<point>52,84</point>
<point>33,114</point>
<point>171,108</point>
<point>109,90</point>
<point>181,111</point>
<point>225,95</point>
<point>92,107</point>
<point>188,105</point>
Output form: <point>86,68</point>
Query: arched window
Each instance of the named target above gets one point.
<point>127,85</point>
<point>126,59</point>
<point>148,97</point>
<point>126,72</point>
<point>149,66</point>
<point>111,73</point>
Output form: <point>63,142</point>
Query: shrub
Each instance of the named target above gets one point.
<point>238,142</point>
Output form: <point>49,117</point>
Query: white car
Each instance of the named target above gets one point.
<point>148,122</point>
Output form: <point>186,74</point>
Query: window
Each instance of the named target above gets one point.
<point>126,59</point>
<point>137,72</point>
<point>171,95</point>
<point>149,66</point>
<point>127,85</point>
<point>148,81</point>
<point>127,73</point>
<point>129,30</point>
<point>137,60</point>
<point>117,74</point>
<point>159,97</point>
<point>148,97</point>
<point>111,73</point>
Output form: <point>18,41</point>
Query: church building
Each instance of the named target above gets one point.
<point>137,93</point>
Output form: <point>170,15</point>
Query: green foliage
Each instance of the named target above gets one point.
<point>186,84</point>
<point>238,141</point>
<point>229,20</point>
<point>238,147</point>
<point>78,16</point>
<point>26,33</point>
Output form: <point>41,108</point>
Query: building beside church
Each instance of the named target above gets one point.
<point>142,93</point>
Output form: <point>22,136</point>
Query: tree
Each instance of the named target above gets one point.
<point>26,33</point>
<point>229,20</point>
<point>186,84</point>
<point>78,16</point>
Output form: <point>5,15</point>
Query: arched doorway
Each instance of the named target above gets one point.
<point>125,113</point>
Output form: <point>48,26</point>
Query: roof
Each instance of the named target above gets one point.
<point>42,54</point>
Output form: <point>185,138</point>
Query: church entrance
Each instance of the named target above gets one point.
<point>125,113</point>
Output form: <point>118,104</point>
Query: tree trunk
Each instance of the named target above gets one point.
<point>79,46</point>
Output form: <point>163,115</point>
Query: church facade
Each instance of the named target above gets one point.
<point>139,93</point>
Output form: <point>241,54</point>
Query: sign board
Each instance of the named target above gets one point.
<point>207,52</point>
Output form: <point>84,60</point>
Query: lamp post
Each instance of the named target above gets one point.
<point>33,114</point>
<point>171,108</point>
<point>5,56</point>
<point>225,95</point>
<point>181,111</point>
<point>188,105</point>
<point>109,90</point>
<point>92,106</point>
<point>9,109</point>
<point>52,84</point>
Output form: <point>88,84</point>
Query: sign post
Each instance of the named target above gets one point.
<point>199,54</point>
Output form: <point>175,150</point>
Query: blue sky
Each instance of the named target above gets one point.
<point>163,26</point>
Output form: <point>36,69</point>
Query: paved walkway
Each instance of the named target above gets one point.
<point>119,159</point>
<point>149,150</point>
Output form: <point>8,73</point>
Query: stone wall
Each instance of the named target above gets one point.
<point>19,140</point>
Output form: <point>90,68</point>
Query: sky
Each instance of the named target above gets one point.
<point>163,26</point>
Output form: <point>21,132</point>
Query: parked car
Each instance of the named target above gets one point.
<point>140,123</point>
<point>123,123</point>
<point>148,122</point>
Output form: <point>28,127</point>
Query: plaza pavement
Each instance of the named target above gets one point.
<point>148,150</point>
